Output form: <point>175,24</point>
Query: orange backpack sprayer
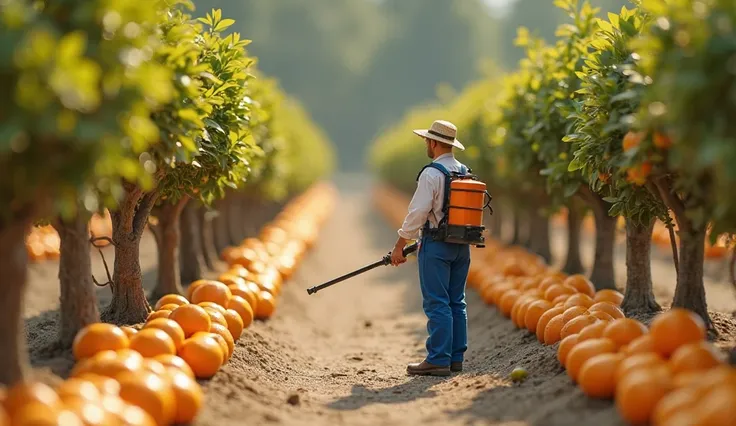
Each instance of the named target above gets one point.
<point>464,202</point>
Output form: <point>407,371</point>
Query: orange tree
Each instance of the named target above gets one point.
<point>224,145</point>
<point>77,83</point>
<point>687,143</point>
<point>601,136</point>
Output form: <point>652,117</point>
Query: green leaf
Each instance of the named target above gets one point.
<point>224,24</point>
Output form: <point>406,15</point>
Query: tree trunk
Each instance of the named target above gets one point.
<point>573,264</point>
<point>639,297</point>
<point>207,237</point>
<point>539,235</point>
<point>235,218</point>
<point>690,291</point>
<point>602,275</point>
<point>167,239</point>
<point>129,304</point>
<point>220,226</point>
<point>78,298</point>
<point>13,273</point>
<point>250,216</point>
<point>191,256</point>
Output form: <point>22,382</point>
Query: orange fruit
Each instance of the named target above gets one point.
<point>78,388</point>
<point>674,328</point>
<point>624,330</point>
<point>544,319</point>
<point>153,366</point>
<point>521,312</point>
<point>581,284</point>
<point>584,351</point>
<point>105,385</point>
<point>572,312</point>
<point>193,286</point>
<point>604,317</point>
<point>90,413</point>
<point>188,396</point>
<point>246,292</point>
<point>577,324</point>
<point>214,291</point>
<point>174,362</point>
<point>212,305</point>
<point>718,406</point>
<point>171,327</point>
<point>243,308</point>
<point>632,139</point>
<point>170,299</point>
<point>225,333</point>
<point>150,342</point>
<point>191,318</point>
<point>129,331</point>
<point>638,175</point>
<point>597,375</point>
<point>557,290</point>
<point>169,306</point>
<point>507,300</point>
<point>639,345</point>
<point>151,393</point>
<point>158,314</point>
<point>580,299</point>
<point>229,279</point>
<point>611,296</point>
<point>639,393</point>
<point>40,415</point>
<point>661,140</point>
<point>695,356</point>
<point>220,341</point>
<point>646,360</point>
<point>566,344</point>
<point>25,393</point>
<point>552,332</point>
<point>203,354</point>
<point>98,337</point>
<point>548,282</point>
<point>534,312</point>
<point>234,323</point>
<point>672,403</point>
<point>592,331</point>
<point>216,317</point>
<point>607,307</point>
<point>266,306</point>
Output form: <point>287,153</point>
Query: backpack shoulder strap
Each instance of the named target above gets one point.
<point>434,165</point>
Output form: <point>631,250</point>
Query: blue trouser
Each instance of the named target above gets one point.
<point>443,271</point>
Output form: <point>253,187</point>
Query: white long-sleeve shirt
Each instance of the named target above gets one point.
<point>426,204</point>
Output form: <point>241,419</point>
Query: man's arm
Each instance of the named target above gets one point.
<point>419,209</point>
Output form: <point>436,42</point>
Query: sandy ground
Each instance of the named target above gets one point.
<point>339,356</point>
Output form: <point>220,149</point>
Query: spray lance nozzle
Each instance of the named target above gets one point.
<point>385,260</point>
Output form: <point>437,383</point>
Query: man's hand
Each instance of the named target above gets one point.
<point>397,255</point>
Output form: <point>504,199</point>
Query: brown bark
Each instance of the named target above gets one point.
<point>220,227</point>
<point>602,275</point>
<point>167,236</point>
<point>539,235</point>
<point>690,289</point>
<point>573,264</point>
<point>235,218</point>
<point>78,298</point>
<point>516,238</point>
<point>191,256</point>
<point>129,304</point>
<point>207,237</point>
<point>13,272</point>
<point>639,297</point>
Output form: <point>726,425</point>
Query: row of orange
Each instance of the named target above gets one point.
<point>43,243</point>
<point>657,374</point>
<point>146,374</point>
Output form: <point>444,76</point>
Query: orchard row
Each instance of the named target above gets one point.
<point>627,116</point>
<point>155,113</point>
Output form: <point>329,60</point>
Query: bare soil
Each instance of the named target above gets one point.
<point>339,356</point>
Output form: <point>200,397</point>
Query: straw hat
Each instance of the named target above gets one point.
<point>442,131</point>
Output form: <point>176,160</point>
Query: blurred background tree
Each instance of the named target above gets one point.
<point>358,65</point>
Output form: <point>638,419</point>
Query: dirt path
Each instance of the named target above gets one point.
<point>339,356</point>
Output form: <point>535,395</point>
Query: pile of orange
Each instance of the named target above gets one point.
<point>657,375</point>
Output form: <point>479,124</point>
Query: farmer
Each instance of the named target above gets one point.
<point>443,267</point>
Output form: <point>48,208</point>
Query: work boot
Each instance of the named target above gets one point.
<point>456,366</point>
<point>426,369</point>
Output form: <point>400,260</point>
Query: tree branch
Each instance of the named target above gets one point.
<point>93,240</point>
<point>672,201</point>
<point>107,271</point>
<point>144,210</point>
<point>127,210</point>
